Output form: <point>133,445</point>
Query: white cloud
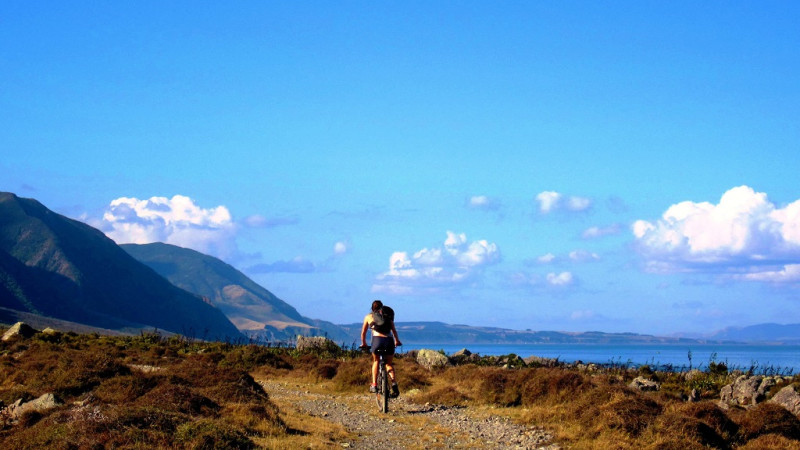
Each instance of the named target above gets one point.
<point>599,232</point>
<point>583,256</point>
<point>560,279</point>
<point>456,263</point>
<point>546,258</point>
<point>259,221</point>
<point>578,256</point>
<point>548,201</point>
<point>483,202</point>
<point>578,203</point>
<point>175,220</point>
<point>744,229</point>
<point>553,281</point>
<point>551,201</point>
<point>340,248</point>
<point>790,273</point>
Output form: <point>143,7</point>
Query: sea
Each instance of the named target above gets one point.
<point>760,359</point>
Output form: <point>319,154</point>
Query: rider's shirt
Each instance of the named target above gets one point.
<point>369,320</point>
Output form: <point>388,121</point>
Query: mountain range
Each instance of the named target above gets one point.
<point>253,309</point>
<point>54,266</point>
<point>55,270</point>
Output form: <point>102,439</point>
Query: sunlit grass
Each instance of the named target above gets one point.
<point>150,391</point>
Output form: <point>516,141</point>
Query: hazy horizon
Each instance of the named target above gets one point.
<point>572,166</point>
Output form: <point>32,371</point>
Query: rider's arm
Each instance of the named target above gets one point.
<point>364,328</point>
<point>397,342</point>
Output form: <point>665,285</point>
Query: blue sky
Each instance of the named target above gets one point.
<point>622,166</point>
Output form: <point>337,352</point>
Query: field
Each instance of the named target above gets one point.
<point>149,391</point>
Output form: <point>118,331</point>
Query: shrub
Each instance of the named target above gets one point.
<point>126,388</point>
<point>631,414</point>
<point>152,418</point>
<point>180,399</point>
<point>710,414</point>
<point>500,387</point>
<point>446,395</point>
<point>771,442</point>
<point>769,418</point>
<point>206,434</point>
<point>327,370</point>
<point>681,428</point>
<point>353,374</point>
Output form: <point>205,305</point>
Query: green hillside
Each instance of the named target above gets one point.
<point>252,308</point>
<point>58,267</point>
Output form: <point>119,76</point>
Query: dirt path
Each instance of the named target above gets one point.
<point>407,425</point>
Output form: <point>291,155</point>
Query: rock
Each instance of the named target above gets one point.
<point>49,330</point>
<point>431,359</point>
<point>462,356</point>
<point>789,399</point>
<point>766,384</point>
<point>538,361</point>
<point>644,385</point>
<point>14,411</point>
<point>746,391</point>
<point>20,329</point>
<point>317,343</point>
<point>591,367</point>
<point>144,368</point>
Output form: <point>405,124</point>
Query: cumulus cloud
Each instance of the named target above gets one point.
<point>547,258</point>
<point>744,233</point>
<point>456,263</point>
<point>550,281</point>
<point>259,221</point>
<point>583,256</point>
<point>177,220</point>
<point>483,202</point>
<point>340,248</point>
<point>551,201</point>
<point>790,273</point>
<point>600,232</point>
<point>560,279</point>
<point>577,256</point>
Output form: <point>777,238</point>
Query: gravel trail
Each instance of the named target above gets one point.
<point>408,425</point>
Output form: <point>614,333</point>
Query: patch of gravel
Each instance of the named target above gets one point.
<point>445,427</point>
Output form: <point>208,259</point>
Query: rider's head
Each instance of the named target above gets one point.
<point>376,305</point>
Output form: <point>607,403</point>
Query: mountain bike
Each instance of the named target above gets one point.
<point>383,389</point>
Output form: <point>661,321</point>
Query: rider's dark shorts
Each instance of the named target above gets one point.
<point>383,344</point>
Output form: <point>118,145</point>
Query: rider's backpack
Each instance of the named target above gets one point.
<point>382,320</point>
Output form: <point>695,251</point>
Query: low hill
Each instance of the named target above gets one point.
<point>253,309</point>
<point>442,333</point>
<point>57,267</point>
<point>765,332</point>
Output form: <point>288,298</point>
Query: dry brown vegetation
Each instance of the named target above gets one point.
<point>598,410</point>
<point>149,391</point>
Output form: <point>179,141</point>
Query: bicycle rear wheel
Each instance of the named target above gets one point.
<point>379,387</point>
<point>384,391</point>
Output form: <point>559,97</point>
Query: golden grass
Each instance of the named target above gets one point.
<point>205,395</point>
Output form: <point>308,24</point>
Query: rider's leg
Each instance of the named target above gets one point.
<point>390,371</point>
<point>375,369</point>
<point>389,367</point>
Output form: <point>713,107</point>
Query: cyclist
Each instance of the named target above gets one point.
<point>380,341</point>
